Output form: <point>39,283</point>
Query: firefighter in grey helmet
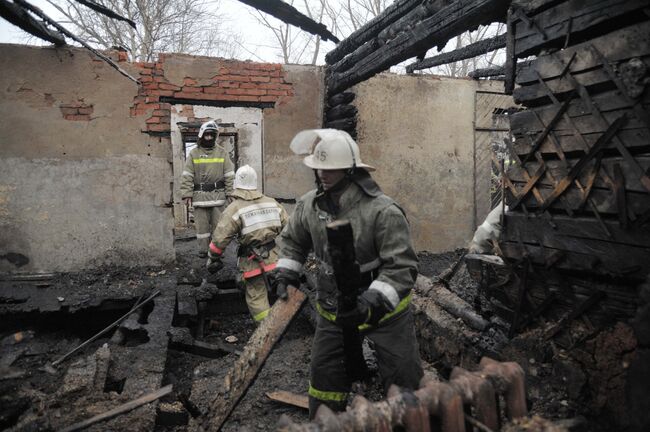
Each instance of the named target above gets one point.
<point>383,248</point>
<point>206,182</point>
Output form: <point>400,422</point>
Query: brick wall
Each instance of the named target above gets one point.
<point>232,82</point>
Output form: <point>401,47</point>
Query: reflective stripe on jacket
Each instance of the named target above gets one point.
<point>207,166</point>
<point>254,219</point>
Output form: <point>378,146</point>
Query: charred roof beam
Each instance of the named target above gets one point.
<point>19,17</point>
<point>290,15</point>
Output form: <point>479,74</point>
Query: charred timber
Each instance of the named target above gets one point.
<point>341,112</point>
<point>487,72</point>
<point>371,29</point>
<point>469,51</point>
<point>340,99</point>
<point>450,21</point>
<point>578,19</point>
<point>290,15</point>
<point>348,124</point>
<point>20,18</point>
<point>105,11</point>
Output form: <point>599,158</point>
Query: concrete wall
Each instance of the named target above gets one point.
<point>80,185</point>
<point>418,131</point>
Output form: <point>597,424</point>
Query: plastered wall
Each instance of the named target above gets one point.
<point>419,133</point>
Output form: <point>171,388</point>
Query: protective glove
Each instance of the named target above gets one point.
<point>214,263</point>
<point>372,305</point>
<point>282,278</point>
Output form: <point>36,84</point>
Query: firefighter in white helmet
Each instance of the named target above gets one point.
<point>255,220</point>
<point>206,182</point>
<point>383,248</point>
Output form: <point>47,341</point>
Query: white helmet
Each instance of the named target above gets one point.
<point>208,126</point>
<point>328,149</point>
<point>245,178</point>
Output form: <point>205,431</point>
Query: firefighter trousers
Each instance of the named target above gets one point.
<point>205,220</point>
<point>257,298</point>
<point>397,354</point>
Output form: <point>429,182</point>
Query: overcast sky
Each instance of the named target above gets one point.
<point>257,40</point>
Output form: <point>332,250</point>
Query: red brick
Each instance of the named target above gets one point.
<point>160,112</point>
<point>189,81</point>
<point>260,79</point>
<point>192,89</point>
<point>270,85</point>
<point>150,86</point>
<point>86,110</point>
<point>277,80</point>
<point>240,78</point>
<point>145,72</point>
<point>228,84</point>
<point>255,92</point>
<point>159,78</point>
<point>149,65</point>
<point>286,86</point>
<point>167,86</point>
<point>214,90</point>
<point>277,92</point>
<point>268,98</point>
<point>158,127</point>
<point>247,85</point>
<point>164,120</point>
<point>249,98</point>
<point>146,79</point>
<point>164,106</point>
<point>226,97</point>
<point>276,73</point>
<point>153,120</point>
<point>200,96</point>
<point>236,91</point>
<point>224,71</point>
<point>68,110</point>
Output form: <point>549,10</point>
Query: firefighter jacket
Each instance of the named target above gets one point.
<point>207,177</point>
<point>255,220</point>
<point>382,245</point>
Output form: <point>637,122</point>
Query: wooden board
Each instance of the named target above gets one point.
<point>572,16</point>
<point>300,401</point>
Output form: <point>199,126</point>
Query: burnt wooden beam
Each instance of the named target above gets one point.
<point>105,11</point>
<point>451,20</point>
<point>246,367</point>
<point>63,30</point>
<point>463,53</point>
<point>341,112</point>
<point>487,72</point>
<point>340,98</point>
<point>371,29</point>
<point>19,17</point>
<point>290,15</point>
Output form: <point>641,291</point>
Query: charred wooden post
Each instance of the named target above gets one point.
<point>19,17</point>
<point>341,114</point>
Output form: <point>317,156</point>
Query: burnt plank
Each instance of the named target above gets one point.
<point>340,99</point>
<point>611,104</point>
<point>557,170</point>
<point>573,16</point>
<point>341,112</point>
<point>578,228</point>
<point>604,200</point>
<point>619,45</point>
<point>629,265</point>
<point>637,140</point>
<point>595,80</point>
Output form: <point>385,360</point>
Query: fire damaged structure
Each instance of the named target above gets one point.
<point>120,334</point>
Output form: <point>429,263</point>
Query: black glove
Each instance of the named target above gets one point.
<point>214,263</point>
<point>282,278</point>
<point>371,307</point>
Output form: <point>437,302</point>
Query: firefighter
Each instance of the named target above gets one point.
<point>206,182</point>
<point>255,220</point>
<point>345,190</point>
